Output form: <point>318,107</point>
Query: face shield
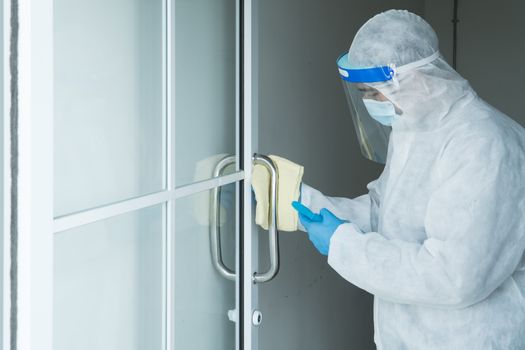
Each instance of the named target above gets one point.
<point>372,112</point>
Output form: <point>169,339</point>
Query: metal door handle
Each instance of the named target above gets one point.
<point>272,219</point>
<point>215,217</point>
<point>215,214</point>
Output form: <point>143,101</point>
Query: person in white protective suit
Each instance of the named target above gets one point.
<point>439,239</point>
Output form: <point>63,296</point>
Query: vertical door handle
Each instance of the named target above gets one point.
<point>272,220</point>
<point>215,214</point>
<point>215,222</point>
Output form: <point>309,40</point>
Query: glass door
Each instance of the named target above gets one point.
<point>145,105</point>
<point>206,108</point>
<point>109,141</point>
<point>135,198</point>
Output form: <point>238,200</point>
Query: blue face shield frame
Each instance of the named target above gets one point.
<point>363,75</point>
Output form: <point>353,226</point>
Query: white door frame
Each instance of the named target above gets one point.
<point>36,224</point>
<point>250,114</point>
<point>35,191</point>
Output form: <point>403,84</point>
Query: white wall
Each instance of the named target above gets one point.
<point>304,116</point>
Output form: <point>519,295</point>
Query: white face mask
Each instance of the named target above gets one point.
<point>382,111</point>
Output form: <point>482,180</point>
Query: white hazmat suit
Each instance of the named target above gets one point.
<point>439,239</point>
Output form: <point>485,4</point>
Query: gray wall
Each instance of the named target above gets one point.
<point>491,48</point>
<point>303,116</point>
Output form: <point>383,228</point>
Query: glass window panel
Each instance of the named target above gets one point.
<point>202,296</point>
<point>108,284</point>
<point>108,123</point>
<point>204,86</point>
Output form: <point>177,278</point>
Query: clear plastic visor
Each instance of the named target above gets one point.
<point>372,135</point>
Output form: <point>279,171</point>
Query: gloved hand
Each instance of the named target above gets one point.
<point>321,231</point>
<point>290,177</point>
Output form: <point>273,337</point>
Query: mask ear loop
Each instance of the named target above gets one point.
<point>394,80</point>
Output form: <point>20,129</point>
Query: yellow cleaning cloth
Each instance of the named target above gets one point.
<point>290,177</point>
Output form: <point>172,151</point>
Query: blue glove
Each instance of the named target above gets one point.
<point>320,231</point>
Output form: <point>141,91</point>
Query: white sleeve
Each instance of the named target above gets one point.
<point>475,237</point>
<point>357,210</point>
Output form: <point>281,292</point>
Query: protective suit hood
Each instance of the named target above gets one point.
<point>426,93</point>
